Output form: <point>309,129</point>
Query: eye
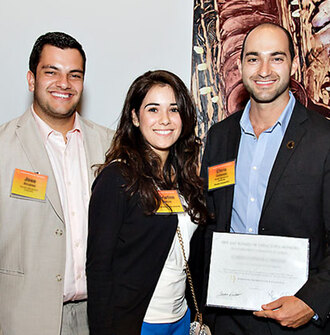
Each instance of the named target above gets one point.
<point>252,60</point>
<point>152,109</point>
<point>76,76</point>
<point>174,110</point>
<point>278,59</point>
<point>50,73</point>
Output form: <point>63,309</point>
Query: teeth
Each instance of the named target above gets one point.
<point>265,82</point>
<point>61,95</point>
<point>163,132</point>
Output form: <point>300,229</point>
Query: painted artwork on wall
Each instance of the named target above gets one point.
<point>218,33</point>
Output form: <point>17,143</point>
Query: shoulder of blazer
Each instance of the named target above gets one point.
<point>12,125</point>
<point>90,125</point>
<point>310,120</point>
<point>228,124</point>
<point>111,172</point>
<point>223,139</point>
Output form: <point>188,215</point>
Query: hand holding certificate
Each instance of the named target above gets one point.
<point>247,271</point>
<point>288,311</point>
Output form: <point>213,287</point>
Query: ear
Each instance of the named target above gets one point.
<point>294,65</point>
<point>239,65</point>
<point>135,119</point>
<point>31,81</point>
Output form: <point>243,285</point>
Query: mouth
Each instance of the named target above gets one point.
<point>265,82</point>
<point>61,95</point>
<point>163,132</point>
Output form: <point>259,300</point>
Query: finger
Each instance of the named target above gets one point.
<point>273,305</point>
<point>261,314</point>
<point>267,314</point>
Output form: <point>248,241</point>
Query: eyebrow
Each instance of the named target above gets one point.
<point>157,104</point>
<point>57,69</point>
<point>276,53</point>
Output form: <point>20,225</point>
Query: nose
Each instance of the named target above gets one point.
<point>63,82</point>
<point>165,118</point>
<point>264,69</point>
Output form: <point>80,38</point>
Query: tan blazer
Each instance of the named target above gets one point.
<point>32,233</point>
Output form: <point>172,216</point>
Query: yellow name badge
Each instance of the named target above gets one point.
<point>171,203</point>
<point>29,185</point>
<point>221,175</point>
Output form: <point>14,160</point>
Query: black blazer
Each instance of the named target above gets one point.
<point>125,256</point>
<point>297,202</point>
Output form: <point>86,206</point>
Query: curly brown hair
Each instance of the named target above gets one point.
<point>142,166</point>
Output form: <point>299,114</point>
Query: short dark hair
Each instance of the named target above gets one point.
<point>288,35</point>
<point>58,40</point>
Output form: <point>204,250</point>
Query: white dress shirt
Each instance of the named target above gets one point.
<point>68,160</point>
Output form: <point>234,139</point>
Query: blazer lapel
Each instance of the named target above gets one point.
<point>28,135</point>
<point>93,148</point>
<point>234,136</point>
<point>291,141</point>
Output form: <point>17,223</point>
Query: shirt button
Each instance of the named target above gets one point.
<point>79,276</point>
<point>59,278</point>
<point>77,244</point>
<point>254,168</point>
<point>59,232</point>
<point>250,230</point>
<point>252,199</point>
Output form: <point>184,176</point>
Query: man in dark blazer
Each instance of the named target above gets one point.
<point>282,162</point>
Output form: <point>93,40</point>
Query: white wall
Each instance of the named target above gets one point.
<point>122,39</point>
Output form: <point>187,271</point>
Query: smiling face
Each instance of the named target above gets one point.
<point>159,119</point>
<point>58,83</point>
<point>266,66</point>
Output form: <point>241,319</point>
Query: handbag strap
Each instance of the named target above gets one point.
<point>188,273</point>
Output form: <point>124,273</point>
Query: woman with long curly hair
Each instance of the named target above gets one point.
<point>135,267</point>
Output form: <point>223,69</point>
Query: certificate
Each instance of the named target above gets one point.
<point>247,271</point>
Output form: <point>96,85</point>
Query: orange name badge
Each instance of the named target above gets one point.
<point>221,175</point>
<point>29,185</point>
<point>171,203</point>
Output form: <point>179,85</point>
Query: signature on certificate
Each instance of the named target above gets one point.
<point>228,294</point>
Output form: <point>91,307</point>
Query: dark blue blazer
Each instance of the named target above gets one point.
<point>126,253</point>
<point>297,204</point>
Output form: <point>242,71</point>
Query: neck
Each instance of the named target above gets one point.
<point>163,157</point>
<point>63,126</point>
<point>264,115</point>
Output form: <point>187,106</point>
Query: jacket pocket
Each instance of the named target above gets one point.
<point>10,249</point>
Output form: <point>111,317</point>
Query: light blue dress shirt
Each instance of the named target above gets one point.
<point>254,163</point>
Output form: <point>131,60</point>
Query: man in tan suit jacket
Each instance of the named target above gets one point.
<point>40,290</point>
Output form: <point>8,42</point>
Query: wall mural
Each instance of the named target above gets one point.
<point>218,33</point>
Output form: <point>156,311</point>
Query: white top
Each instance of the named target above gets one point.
<point>168,303</point>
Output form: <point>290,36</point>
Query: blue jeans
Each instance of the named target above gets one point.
<point>180,327</point>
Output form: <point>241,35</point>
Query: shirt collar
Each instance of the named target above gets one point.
<point>46,130</point>
<point>282,121</point>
